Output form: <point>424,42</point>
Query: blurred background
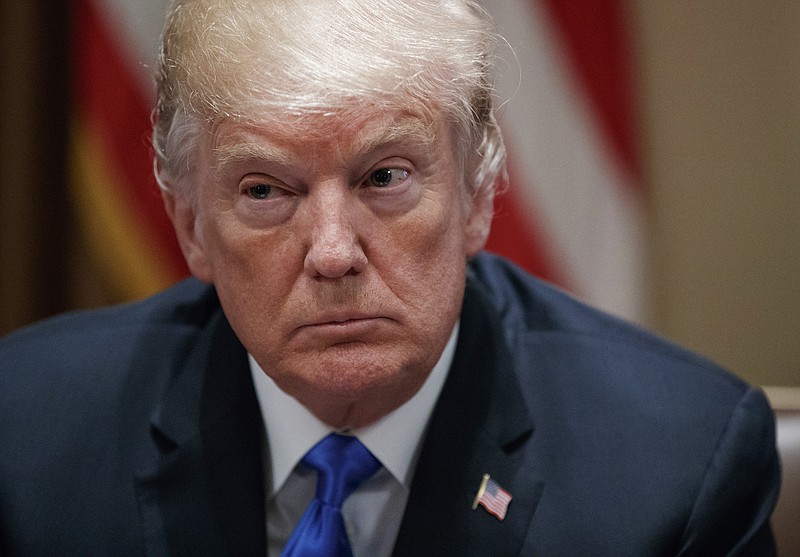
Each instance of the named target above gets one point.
<point>654,158</point>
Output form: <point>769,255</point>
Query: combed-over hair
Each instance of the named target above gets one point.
<point>274,60</point>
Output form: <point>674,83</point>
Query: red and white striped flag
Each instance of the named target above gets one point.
<point>573,213</point>
<point>574,210</point>
<point>129,236</point>
<point>492,497</point>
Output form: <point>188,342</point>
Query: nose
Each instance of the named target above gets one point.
<point>335,249</point>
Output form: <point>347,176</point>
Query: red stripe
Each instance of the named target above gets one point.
<point>516,235</point>
<point>595,35</point>
<point>108,96</point>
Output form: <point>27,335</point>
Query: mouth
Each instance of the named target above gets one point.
<point>343,327</point>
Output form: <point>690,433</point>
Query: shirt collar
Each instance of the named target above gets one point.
<point>395,439</point>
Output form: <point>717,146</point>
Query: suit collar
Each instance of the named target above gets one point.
<point>201,485</point>
<point>480,425</point>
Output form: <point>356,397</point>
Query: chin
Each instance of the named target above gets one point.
<point>348,376</point>
<point>349,372</point>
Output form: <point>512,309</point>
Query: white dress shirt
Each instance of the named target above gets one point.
<point>372,514</point>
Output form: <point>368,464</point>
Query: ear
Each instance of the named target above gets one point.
<point>479,221</point>
<point>183,214</point>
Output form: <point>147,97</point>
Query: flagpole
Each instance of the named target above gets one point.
<point>481,490</point>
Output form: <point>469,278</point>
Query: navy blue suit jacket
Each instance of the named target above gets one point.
<point>135,431</point>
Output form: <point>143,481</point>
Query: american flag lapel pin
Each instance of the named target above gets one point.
<point>492,497</point>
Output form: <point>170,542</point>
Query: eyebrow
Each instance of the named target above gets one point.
<point>228,155</point>
<point>404,129</point>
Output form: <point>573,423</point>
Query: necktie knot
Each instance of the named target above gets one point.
<point>342,464</point>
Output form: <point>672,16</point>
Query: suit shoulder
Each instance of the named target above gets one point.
<point>188,302</point>
<point>98,341</point>
<point>530,303</point>
<point>540,318</point>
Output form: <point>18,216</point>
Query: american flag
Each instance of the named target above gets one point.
<point>494,499</point>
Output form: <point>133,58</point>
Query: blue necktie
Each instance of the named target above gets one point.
<point>342,464</point>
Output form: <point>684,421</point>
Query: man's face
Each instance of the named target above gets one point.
<point>339,257</point>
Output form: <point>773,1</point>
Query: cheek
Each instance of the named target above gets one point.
<point>425,257</point>
<point>241,252</point>
<point>436,231</point>
<point>252,272</point>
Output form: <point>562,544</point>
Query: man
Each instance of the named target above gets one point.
<point>330,171</point>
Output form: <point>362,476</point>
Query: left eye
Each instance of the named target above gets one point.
<point>260,191</point>
<point>384,177</point>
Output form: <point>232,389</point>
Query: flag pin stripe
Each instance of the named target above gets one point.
<point>492,497</point>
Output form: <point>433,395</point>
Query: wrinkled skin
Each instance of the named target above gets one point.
<point>339,256</point>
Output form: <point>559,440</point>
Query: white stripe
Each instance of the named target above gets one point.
<point>567,175</point>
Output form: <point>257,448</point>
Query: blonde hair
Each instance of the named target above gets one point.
<point>243,59</point>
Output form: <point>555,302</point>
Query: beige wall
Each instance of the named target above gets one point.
<point>720,83</point>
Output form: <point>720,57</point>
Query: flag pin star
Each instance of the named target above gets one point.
<point>492,497</point>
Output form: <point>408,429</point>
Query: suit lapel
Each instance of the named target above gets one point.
<point>201,487</point>
<point>480,425</point>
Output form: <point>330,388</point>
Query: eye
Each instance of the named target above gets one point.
<point>385,177</point>
<point>260,191</point>
<point>263,189</point>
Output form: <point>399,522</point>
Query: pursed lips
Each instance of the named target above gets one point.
<point>342,325</point>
